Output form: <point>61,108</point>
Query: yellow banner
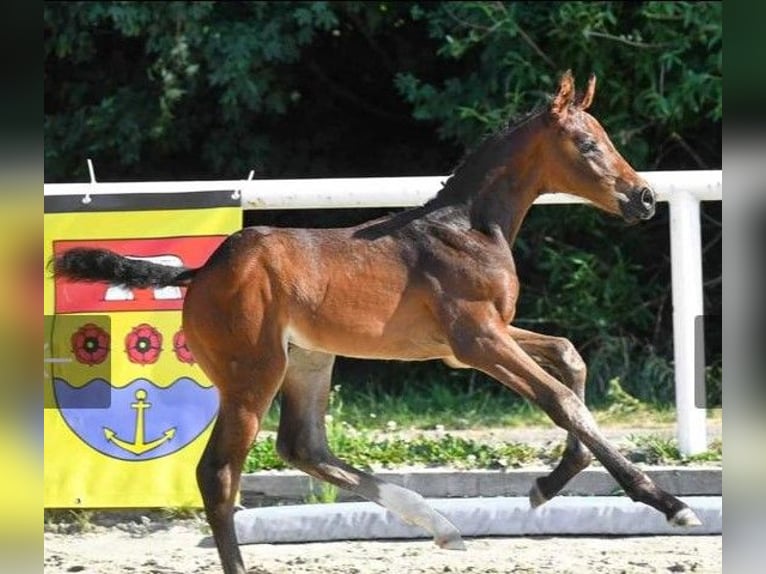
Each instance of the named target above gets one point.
<point>128,410</point>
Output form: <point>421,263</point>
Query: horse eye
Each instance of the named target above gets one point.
<point>587,146</point>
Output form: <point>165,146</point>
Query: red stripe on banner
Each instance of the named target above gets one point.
<point>192,251</point>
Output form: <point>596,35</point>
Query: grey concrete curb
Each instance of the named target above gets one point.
<point>275,487</point>
<point>500,516</point>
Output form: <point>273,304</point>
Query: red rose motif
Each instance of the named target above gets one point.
<point>181,349</point>
<point>143,344</point>
<point>90,344</point>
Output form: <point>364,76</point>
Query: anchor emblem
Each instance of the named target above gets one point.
<point>139,445</point>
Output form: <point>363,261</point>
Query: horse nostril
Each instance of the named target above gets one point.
<point>647,198</point>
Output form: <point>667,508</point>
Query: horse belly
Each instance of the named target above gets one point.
<point>398,340</point>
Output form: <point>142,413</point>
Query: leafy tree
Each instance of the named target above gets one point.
<point>183,90</point>
<point>659,64</point>
<point>214,89</point>
<point>211,85</point>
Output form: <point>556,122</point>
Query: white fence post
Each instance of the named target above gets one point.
<point>686,265</point>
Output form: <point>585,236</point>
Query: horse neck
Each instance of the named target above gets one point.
<point>497,184</point>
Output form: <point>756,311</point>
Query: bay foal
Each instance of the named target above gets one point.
<point>272,308</point>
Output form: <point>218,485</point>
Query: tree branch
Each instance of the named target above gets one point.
<point>625,41</point>
<point>526,37</point>
<point>532,44</point>
<point>675,136</point>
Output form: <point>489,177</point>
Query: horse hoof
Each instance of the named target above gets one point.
<point>536,496</point>
<point>685,517</point>
<point>452,543</point>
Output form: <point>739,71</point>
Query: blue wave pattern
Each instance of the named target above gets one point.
<point>174,415</point>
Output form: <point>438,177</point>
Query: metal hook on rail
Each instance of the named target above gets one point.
<point>87,199</point>
<point>238,192</point>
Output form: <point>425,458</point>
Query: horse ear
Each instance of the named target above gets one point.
<point>587,97</point>
<point>564,97</point>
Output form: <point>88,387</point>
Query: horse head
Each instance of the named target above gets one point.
<point>580,158</point>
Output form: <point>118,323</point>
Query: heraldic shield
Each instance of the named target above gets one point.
<point>128,410</point>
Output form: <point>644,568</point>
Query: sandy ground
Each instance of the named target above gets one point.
<point>182,547</point>
<point>157,545</point>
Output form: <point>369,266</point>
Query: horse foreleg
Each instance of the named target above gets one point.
<point>302,441</point>
<point>560,356</point>
<point>481,340</point>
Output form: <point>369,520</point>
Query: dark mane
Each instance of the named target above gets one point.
<point>466,179</point>
<point>478,159</point>
<point>513,123</point>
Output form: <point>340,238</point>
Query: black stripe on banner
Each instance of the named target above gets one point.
<point>140,201</point>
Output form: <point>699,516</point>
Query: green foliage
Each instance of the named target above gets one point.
<point>213,81</point>
<point>369,452</point>
<point>181,513</point>
<point>185,90</point>
<point>182,69</point>
<point>423,396</point>
<point>654,449</point>
<point>646,374</point>
<point>713,384</point>
<point>659,67</point>
<point>375,444</point>
<point>619,401</point>
<point>467,401</point>
<point>659,64</point>
<point>365,450</point>
<point>321,492</point>
<point>389,439</point>
<point>591,292</point>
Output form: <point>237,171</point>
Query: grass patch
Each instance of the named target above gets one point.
<point>354,427</point>
<point>482,404</point>
<point>321,492</point>
<point>653,449</point>
<point>74,520</point>
<point>182,513</point>
<point>619,407</point>
<point>364,450</point>
<point>424,407</point>
<point>360,423</point>
<point>370,452</point>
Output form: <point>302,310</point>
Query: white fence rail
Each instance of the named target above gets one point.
<point>682,189</point>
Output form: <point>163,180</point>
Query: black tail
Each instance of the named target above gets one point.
<point>102,265</point>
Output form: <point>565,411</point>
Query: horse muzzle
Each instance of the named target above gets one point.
<point>639,204</point>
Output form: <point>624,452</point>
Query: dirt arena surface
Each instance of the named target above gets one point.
<point>156,545</point>
<point>182,547</point>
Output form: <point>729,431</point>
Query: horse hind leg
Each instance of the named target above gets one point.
<point>245,396</point>
<point>302,442</point>
<point>560,356</point>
